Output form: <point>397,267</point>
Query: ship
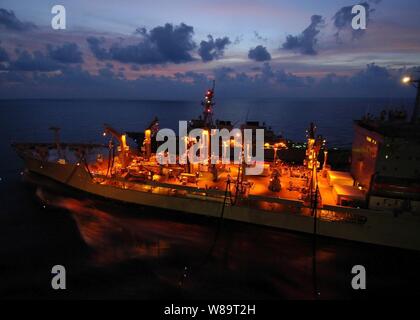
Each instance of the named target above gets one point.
<point>377,201</point>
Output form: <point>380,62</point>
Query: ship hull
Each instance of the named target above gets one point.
<point>381,228</point>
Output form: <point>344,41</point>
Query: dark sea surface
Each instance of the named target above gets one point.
<point>112,251</point>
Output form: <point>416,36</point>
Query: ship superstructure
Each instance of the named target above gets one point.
<point>386,161</point>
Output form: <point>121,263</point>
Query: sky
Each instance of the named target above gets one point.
<point>173,49</point>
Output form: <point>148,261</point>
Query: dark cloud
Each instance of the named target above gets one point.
<point>280,77</point>
<point>373,81</point>
<point>290,80</point>
<point>135,67</point>
<point>142,53</point>
<point>343,18</point>
<point>8,20</point>
<point>36,61</point>
<point>259,53</point>
<point>223,73</point>
<point>106,72</point>
<point>306,41</point>
<point>196,77</point>
<point>268,81</point>
<point>95,45</point>
<point>267,72</point>
<point>67,53</point>
<point>373,76</point>
<point>3,55</point>
<point>174,43</point>
<point>213,49</point>
<point>162,44</point>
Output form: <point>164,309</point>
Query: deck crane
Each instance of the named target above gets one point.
<point>122,140</point>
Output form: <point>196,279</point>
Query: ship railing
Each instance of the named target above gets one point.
<point>277,204</point>
<point>326,213</point>
<point>41,150</point>
<point>270,204</point>
<point>342,214</point>
<point>297,203</point>
<point>155,186</point>
<point>49,145</point>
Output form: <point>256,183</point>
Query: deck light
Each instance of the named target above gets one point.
<point>406,79</point>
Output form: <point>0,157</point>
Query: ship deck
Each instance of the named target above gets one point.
<point>294,180</point>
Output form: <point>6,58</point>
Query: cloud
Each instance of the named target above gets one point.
<point>266,78</point>
<point>36,61</point>
<point>142,53</point>
<point>306,41</point>
<point>259,53</point>
<point>106,72</point>
<point>95,46</point>
<point>67,53</point>
<point>162,44</point>
<point>262,82</point>
<point>135,67</point>
<point>8,20</point>
<point>373,76</point>
<point>372,81</point>
<point>279,77</point>
<point>223,73</point>
<point>213,49</point>
<point>174,43</point>
<point>193,76</point>
<point>343,18</point>
<point>4,57</point>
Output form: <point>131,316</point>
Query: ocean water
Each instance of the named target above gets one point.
<point>83,119</point>
<point>112,251</point>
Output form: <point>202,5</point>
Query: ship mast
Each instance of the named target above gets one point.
<point>149,133</point>
<point>208,105</point>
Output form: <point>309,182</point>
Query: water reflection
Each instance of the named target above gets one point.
<point>244,261</point>
<point>168,247</point>
<point>115,238</point>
